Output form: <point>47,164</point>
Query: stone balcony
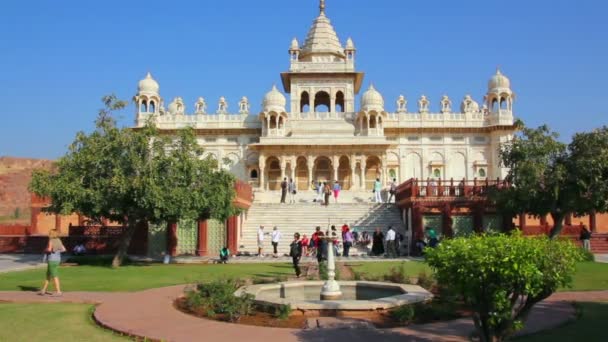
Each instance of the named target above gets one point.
<point>324,67</point>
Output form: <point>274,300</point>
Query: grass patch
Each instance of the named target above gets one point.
<point>590,276</point>
<point>138,277</point>
<point>589,327</point>
<point>51,322</point>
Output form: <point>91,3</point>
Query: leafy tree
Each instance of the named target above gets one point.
<point>135,176</point>
<point>502,277</point>
<point>588,168</point>
<point>538,175</point>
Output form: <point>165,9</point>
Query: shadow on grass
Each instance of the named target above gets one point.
<point>101,261</point>
<point>28,288</point>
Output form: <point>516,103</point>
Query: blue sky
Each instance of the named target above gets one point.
<point>58,58</point>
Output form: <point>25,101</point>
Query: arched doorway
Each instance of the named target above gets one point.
<point>373,169</point>
<point>322,170</point>
<point>344,173</point>
<point>302,174</point>
<point>322,102</point>
<point>273,167</point>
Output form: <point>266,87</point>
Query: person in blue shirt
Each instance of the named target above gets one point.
<point>337,189</point>
<point>224,255</point>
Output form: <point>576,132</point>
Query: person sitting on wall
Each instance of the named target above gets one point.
<point>224,255</point>
<point>432,237</point>
<point>79,249</point>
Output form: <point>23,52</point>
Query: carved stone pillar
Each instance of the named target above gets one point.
<point>201,244</point>
<point>283,168</point>
<point>172,239</point>
<point>262,179</point>
<point>363,165</point>
<point>232,227</point>
<point>310,163</point>
<point>352,184</point>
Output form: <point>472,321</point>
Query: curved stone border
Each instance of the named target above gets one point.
<point>150,314</point>
<point>410,294</point>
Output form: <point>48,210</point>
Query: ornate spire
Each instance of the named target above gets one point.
<point>322,6</point>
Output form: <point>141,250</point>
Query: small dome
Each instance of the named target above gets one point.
<point>295,45</point>
<point>372,100</point>
<point>148,85</point>
<point>499,81</point>
<point>349,44</point>
<point>274,101</point>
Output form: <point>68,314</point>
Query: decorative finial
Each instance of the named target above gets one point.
<point>322,6</point>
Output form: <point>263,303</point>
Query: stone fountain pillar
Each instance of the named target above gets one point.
<point>331,288</point>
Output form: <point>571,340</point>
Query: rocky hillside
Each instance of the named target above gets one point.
<point>15,175</point>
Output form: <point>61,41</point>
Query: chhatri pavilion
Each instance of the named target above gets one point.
<point>313,130</point>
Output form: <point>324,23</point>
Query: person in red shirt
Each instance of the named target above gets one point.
<point>315,239</point>
<point>305,241</point>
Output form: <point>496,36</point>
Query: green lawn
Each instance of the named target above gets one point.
<point>51,322</point>
<point>135,278</point>
<point>589,327</point>
<point>589,276</point>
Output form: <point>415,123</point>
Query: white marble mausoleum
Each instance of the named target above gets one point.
<point>318,127</point>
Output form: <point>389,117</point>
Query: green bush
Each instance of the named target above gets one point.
<point>323,270</point>
<point>398,275</point>
<point>426,281</point>
<point>501,277</point>
<point>283,312</point>
<point>587,255</point>
<point>404,314</point>
<point>217,298</point>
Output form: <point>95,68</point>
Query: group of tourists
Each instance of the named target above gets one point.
<point>324,190</point>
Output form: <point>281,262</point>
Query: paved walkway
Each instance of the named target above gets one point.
<point>601,258</point>
<point>18,262</point>
<point>151,314</point>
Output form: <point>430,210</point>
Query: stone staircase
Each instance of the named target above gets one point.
<point>304,217</point>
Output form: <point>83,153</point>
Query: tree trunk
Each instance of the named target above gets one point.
<point>558,224</point>
<point>125,242</point>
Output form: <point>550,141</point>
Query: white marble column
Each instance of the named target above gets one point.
<point>363,164</point>
<point>353,186</point>
<point>262,179</point>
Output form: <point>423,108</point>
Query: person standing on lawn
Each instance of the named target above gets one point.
<point>53,251</point>
<point>295,252</point>
<point>378,243</point>
<point>585,237</point>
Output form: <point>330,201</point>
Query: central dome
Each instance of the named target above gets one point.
<point>322,38</point>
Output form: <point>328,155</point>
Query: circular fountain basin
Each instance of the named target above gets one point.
<point>356,295</point>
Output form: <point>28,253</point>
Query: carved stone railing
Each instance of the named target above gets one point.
<point>220,121</point>
<point>347,66</point>
<point>415,188</point>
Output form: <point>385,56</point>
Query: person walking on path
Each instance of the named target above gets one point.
<point>391,243</point>
<point>585,237</point>
<point>337,189</point>
<point>291,187</point>
<point>378,190</point>
<point>392,190</point>
<point>295,252</point>
<point>283,190</point>
<point>348,241</point>
<point>327,193</point>
<point>275,238</point>
<point>378,243</point>
<point>53,251</point>
<point>314,240</point>
<point>261,241</point>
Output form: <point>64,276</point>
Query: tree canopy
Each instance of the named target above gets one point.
<point>548,177</point>
<point>135,176</point>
